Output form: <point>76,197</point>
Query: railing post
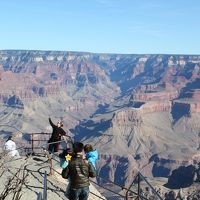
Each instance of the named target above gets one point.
<point>45,187</point>
<point>154,191</point>
<point>128,189</point>
<point>39,196</point>
<point>127,195</point>
<point>51,167</point>
<point>138,187</point>
<point>32,145</point>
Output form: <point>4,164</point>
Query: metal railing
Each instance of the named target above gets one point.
<point>33,140</point>
<point>45,186</point>
<point>43,196</point>
<point>43,143</point>
<point>39,196</point>
<point>117,191</point>
<point>134,191</point>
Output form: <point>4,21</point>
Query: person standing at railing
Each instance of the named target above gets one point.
<point>91,154</point>
<point>56,136</point>
<point>10,147</point>
<point>78,171</point>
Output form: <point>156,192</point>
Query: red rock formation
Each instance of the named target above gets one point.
<point>156,106</point>
<point>156,83</point>
<point>195,94</point>
<point>195,107</point>
<point>127,117</point>
<point>153,96</point>
<point>139,68</point>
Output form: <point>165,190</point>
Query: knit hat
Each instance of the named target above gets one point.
<point>88,147</point>
<point>78,147</point>
<point>9,138</point>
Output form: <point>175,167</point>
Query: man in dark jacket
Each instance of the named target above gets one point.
<point>56,136</point>
<point>79,172</point>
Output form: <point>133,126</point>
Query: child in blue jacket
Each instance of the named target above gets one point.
<point>62,156</point>
<point>91,154</point>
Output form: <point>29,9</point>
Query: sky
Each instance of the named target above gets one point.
<point>101,26</point>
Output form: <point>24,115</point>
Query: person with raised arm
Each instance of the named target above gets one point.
<point>57,132</point>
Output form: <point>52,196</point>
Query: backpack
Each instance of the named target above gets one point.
<point>65,173</point>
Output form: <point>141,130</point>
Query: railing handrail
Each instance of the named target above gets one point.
<point>32,140</point>
<point>118,185</point>
<point>90,180</point>
<point>107,189</point>
<point>45,186</point>
<point>39,133</point>
<point>139,175</point>
<point>128,190</point>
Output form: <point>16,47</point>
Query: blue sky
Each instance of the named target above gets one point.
<point>101,26</point>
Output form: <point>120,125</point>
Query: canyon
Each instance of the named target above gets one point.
<point>141,112</point>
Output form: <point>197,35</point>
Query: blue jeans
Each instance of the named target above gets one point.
<point>79,194</point>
